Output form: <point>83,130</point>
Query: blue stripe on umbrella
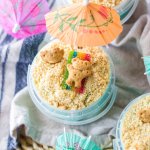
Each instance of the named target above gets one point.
<point>28,51</point>
<point>3,75</point>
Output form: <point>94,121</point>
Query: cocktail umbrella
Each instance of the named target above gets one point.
<point>84,24</point>
<point>147,64</point>
<point>23,18</point>
<point>71,141</point>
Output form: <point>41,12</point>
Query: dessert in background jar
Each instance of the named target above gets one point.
<point>108,3</point>
<point>136,126</point>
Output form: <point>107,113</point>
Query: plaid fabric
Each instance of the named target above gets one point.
<point>15,56</point>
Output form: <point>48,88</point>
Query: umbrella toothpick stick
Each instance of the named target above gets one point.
<point>85,2</point>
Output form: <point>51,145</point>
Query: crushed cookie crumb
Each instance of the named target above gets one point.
<point>48,78</point>
<point>135,132</point>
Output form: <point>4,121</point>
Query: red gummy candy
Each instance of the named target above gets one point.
<point>87,57</point>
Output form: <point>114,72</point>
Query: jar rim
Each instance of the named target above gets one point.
<point>111,83</point>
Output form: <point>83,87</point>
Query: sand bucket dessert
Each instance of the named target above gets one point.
<point>133,128</point>
<point>81,96</point>
<point>124,7</point>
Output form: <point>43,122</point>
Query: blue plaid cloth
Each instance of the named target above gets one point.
<point>15,56</point>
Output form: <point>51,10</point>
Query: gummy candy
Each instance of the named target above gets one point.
<point>72,55</point>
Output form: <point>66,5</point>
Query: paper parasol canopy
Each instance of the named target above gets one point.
<point>84,24</point>
<point>23,18</point>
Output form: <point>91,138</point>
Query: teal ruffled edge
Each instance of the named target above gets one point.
<point>146,60</point>
<point>71,141</point>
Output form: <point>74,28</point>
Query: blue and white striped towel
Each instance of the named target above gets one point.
<point>16,55</point>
